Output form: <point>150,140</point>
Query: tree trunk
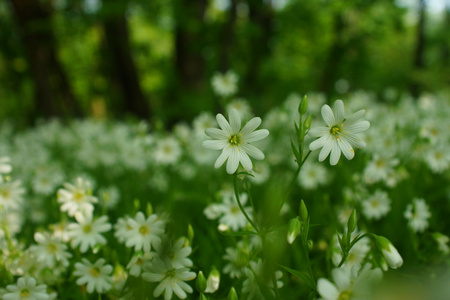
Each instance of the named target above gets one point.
<point>122,70</point>
<point>419,53</point>
<point>53,96</point>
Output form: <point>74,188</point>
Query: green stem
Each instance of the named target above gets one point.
<point>345,252</point>
<point>300,165</point>
<point>275,286</point>
<point>236,193</point>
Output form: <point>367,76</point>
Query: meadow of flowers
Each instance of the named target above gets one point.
<point>346,200</point>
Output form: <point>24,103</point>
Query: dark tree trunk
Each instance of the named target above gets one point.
<point>329,75</point>
<point>122,70</point>
<point>189,42</point>
<point>261,22</point>
<point>53,96</point>
<point>419,53</point>
<point>227,38</point>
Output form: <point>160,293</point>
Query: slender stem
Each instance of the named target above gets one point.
<point>249,195</point>
<point>236,193</point>
<point>346,252</point>
<point>275,286</point>
<point>300,165</point>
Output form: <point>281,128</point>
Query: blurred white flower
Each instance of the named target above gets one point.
<point>417,214</point>
<point>377,205</point>
<point>225,85</point>
<point>11,195</point>
<point>5,167</point>
<point>172,280</point>
<point>87,232</point>
<point>176,252</point>
<point>442,241</point>
<point>250,286</point>
<point>144,232</point>
<point>235,142</point>
<point>167,151</point>
<point>50,250</point>
<point>96,276</point>
<point>340,133</point>
<point>26,289</point>
<point>77,198</point>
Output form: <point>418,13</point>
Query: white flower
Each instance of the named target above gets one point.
<point>26,289</point>
<point>340,133</point>
<point>348,283</point>
<point>50,250</point>
<point>144,233</point>
<point>96,276</point>
<point>177,253</point>
<point>225,84</point>
<point>312,175</point>
<point>11,194</point>
<point>136,264</point>
<point>238,258</point>
<point>5,167</point>
<point>442,241</point>
<point>87,232</point>
<point>377,205</point>
<point>172,280</point>
<point>167,151</point>
<point>235,142</point>
<point>77,198</point>
<point>417,214</point>
<point>250,286</point>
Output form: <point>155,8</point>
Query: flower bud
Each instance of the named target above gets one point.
<point>213,281</point>
<point>303,211</point>
<point>351,224</point>
<point>232,295</point>
<point>294,229</point>
<point>202,297</point>
<point>307,122</point>
<point>390,253</point>
<point>190,233</point>
<point>303,105</point>
<point>200,282</point>
<point>149,210</point>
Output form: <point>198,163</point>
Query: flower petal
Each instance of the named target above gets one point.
<point>348,151</point>
<point>335,154</point>
<point>318,131</point>
<point>326,150</point>
<point>245,160</point>
<point>233,161</point>
<point>355,141</point>
<point>222,157</point>
<point>326,289</point>
<point>215,144</point>
<point>328,116</point>
<point>319,143</point>
<point>223,123</point>
<point>253,151</point>
<point>341,279</point>
<point>255,136</point>
<point>355,116</point>
<point>235,121</point>
<point>338,111</point>
<point>216,133</point>
<point>251,125</point>
<point>357,127</point>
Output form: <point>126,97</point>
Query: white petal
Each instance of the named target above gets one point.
<point>222,157</point>
<point>339,111</point>
<point>326,150</point>
<point>245,160</point>
<point>355,116</point>
<point>223,123</point>
<point>251,125</point>
<point>319,131</point>
<point>233,161</point>
<point>215,144</point>
<point>255,136</point>
<point>346,149</point>
<point>341,279</point>
<point>216,133</point>
<point>335,154</point>
<point>327,290</point>
<point>319,143</point>
<point>179,291</point>
<point>357,127</point>
<point>327,115</point>
<point>235,121</point>
<point>253,151</point>
<point>355,141</point>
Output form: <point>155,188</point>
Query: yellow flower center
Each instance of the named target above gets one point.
<point>94,272</point>
<point>144,230</point>
<point>5,194</point>
<point>337,131</point>
<point>51,248</point>
<point>235,140</point>
<point>345,295</point>
<point>78,196</point>
<point>87,228</point>
<point>24,294</point>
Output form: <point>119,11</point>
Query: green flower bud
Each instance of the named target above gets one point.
<point>200,282</point>
<point>149,209</point>
<point>303,105</point>
<point>202,297</point>
<point>390,253</point>
<point>190,233</point>
<point>232,295</point>
<point>307,122</point>
<point>352,222</point>
<point>294,229</point>
<point>303,211</point>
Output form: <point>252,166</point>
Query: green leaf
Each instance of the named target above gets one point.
<point>296,153</point>
<point>303,276</point>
